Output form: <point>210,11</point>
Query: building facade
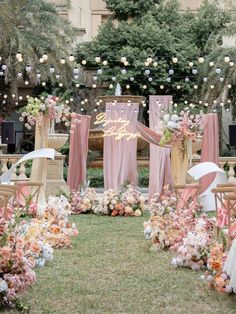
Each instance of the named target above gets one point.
<point>87,15</point>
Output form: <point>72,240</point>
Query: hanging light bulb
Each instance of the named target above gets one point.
<point>28,68</point>
<point>218,70</point>
<point>221,79</point>
<point>52,70</point>
<point>84,62</point>
<point>76,77</point>
<point>104,62</point>
<point>77,85</point>
<point>187,79</point>
<point>190,64</point>
<point>162,87</point>
<point>71,58</point>
<point>111,86</point>
<point>127,86</point>
<point>123,71</point>
<point>131,79</point>
<point>211,64</point>
<point>147,72</point>
<point>126,63</point>
<point>18,55</point>
<point>205,79</point>
<point>149,60</point>
<point>41,60</point>
<point>194,71</point>
<point>195,87</point>
<point>45,57</point>
<point>57,76</point>
<point>168,79</point>
<point>227,59</point>
<point>123,59</point>
<point>94,85</point>
<point>150,79</point>
<point>201,60</point>
<point>4,67</point>
<point>63,61</point>
<point>1,73</point>
<point>26,83</point>
<point>97,59</point>
<point>146,64</point>
<point>171,71</point>
<point>229,86</point>
<point>178,87</point>
<point>155,64</point>
<point>113,78</point>
<point>99,71</point>
<point>76,70</point>
<point>231,63</point>
<point>212,86</point>
<point>144,86</point>
<point>43,84</point>
<point>95,78</point>
<point>38,75</point>
<point>60,84</point>
<point>175,60</point>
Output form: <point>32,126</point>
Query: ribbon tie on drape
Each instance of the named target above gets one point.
<point>222,218</point>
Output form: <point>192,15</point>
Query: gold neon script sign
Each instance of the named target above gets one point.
<point>118,128</point>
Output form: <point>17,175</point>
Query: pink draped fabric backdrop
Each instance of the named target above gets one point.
<point>80,126</point>
<point>120,156</point>
<point>210,146</point>
<point>160,164</point>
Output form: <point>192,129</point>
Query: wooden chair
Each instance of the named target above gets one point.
<point>33,191</point>
<point>231,210</point>
<point>180,189</point>
<point>219,193</point>
<point>6,195</point>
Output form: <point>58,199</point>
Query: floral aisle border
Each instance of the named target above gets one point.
<point>190,234</point>
<point>127,202</point>
<point>25,245</point>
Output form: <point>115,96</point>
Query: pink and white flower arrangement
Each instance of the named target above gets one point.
<point>195,245</point>
<point>83,201</point>
<point>178,129</point>
<point>50,106</point>
<point>128,202</point>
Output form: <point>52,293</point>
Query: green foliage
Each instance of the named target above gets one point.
<point>95,176</point>
<point>160,32</point>
<point>33,27</point>
<point>124,9</point>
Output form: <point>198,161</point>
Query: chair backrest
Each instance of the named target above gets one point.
<point>220,193</point>
<point>184,192</point>
<point>34,186</point>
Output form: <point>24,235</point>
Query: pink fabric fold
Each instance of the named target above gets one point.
<point>160,164</point>
<point>79,135</point>
<point>120,155</point>
<point>210,146</point>
<point>186,194</point>
<point>222,218</point>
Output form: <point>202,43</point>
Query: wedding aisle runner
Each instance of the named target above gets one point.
<point>110,269</point>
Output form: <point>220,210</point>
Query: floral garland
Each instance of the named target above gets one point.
<point>26,245</point>
<point>180,230</point>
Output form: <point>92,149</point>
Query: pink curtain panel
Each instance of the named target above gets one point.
<point>80,126</point>
<point>120,156</point>
<point>210,146</point>
<point>160,164</point>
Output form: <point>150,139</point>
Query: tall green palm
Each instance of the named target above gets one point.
<point>33,28</point>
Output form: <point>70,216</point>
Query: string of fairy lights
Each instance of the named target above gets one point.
<point>99,67</point>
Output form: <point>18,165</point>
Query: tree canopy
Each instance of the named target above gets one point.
<point>32,28</point>
<point>161,33</point>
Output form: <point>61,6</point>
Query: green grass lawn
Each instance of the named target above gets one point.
<point>110,269</point>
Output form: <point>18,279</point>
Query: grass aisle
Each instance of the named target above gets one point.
<point>110,269</point>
